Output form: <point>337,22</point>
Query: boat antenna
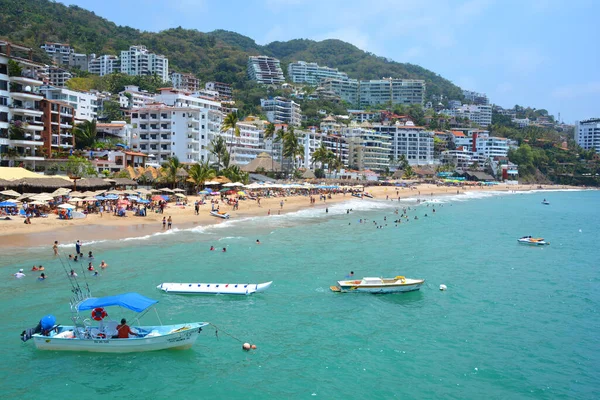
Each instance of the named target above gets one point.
<point>75,288</point>
<point>87,287</point>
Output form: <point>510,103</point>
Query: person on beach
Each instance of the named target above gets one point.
<point>164,222</point>
<point>169,222</point>
<point>103,265</point>
<point>196,208</point>
<point>269,213</point>
<point>78,247</point>
<point>281,204</point>
<point>19,274</point>
<point>55,247</point>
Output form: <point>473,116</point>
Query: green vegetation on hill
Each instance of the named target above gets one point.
<point>219,55</point>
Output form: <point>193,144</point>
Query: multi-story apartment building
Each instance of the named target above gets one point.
<point>479,114</point>
<point>85,104</point>
<point>476,98</point>
<point>338,145</point>
<point>388,91</point>
<point>58,76</point>
<point>249,144</point>
<point>139,61</point>
<point>265,70</point>
<point>587,134</point>
<point>282,110</point>
<point>59,120</point>
<point>177,124</point>
<point>104,65</point>
<point>21,113</point>
<point>184,81</point>
<point>480,145</point>
<point>415,143</point>
<point>312,73</point>
<point>59,52</point>
<point>367,148</point>
<point>346,89</point>
<point>133,97</point>
<point>120,130</point>
<point>225,91</point>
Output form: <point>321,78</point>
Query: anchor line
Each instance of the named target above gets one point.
<point>227,333</point>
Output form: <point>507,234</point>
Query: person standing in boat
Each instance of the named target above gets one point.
<point>124,330</point>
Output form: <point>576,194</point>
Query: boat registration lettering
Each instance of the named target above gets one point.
<point>101,341</point>
<point>182,337</point>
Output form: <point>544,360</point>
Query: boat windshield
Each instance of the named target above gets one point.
<point>132,301</point>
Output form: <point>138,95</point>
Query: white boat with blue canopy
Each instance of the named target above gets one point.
<point>100,333</point>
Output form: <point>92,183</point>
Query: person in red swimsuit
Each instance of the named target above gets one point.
<point>124,330</point>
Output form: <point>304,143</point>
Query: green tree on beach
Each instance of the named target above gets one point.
<point>85,134</point>
<point>170,170</point>
<point>230,123</point>
<point>218,148</point>
<point>200,173</point>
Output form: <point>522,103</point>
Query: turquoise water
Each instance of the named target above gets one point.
<point>515,322</point>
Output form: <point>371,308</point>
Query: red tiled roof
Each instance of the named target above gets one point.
<point>133,153</point>
<point>457,133</point>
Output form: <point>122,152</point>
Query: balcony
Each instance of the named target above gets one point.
<point>25,80</point>
<point>26,95</point>
<point>24,109</point>
<point>25,142</point>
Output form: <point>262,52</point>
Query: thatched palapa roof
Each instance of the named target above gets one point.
<point>262,162</point>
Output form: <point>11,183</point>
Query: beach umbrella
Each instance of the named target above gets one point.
<point>211,183</point>
<point>74,199</point>
<point>67,206</point>
<point>38,203</point>
<point>157,198</point>
<point>204,191</point>
<point>8,204</point>
<point>180,195</point>
<point>241,193</point>
<point>230,191</point>
<point>224,190</point>
<point>178,190</point>
<point>229,184</point>
<point>237,184</point>
<point>143,201</point>
<point>214,193</point>
<point>10,193</point>
<point>166,190</point>
<point>90,199</point>
<point>76,194</point>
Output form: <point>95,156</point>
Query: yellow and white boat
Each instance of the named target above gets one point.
<point>379,285</point>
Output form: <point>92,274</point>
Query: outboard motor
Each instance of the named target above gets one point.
<point>46,324</point>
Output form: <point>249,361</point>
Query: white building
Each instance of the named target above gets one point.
<point>312,73</point>
<point>587,134</point>
<point>85,104</point>
<point>521,122</point>
<point>265,70</point>
<point>58,76</point>
<point>59,52</point>
<point>367,148</point>
<point>479,114</point>
<point>476,98</point>
<point>139,61</point>
<point>281,110</point>
<point>388,91</point>
<point>119,130</point>
<point>104,65</point>
<point>346,89</point>
<point>413,142</point>
<point>224,90</point>
<point>176,125</point>
<point>184,81</point>
<point>249,144</point>
<point>133,97</point>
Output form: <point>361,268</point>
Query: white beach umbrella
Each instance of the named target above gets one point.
<point>38,203</point>
<point>229,184</point>
<point>90,199</point>
<point>10,193</point>
<point>178,190</point>
<point>180,195</point>
<point>69,206</point>
<point>76,194</point>
<point>74,199</point>
<point>166,190</point>
<point>211,183</point>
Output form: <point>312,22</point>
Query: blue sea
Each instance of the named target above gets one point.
<point>516,322</point>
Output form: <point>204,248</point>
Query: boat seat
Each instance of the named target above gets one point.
<point>110,328</point>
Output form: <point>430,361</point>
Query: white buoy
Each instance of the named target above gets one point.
<point>443,287</point>
<point>246,346</point>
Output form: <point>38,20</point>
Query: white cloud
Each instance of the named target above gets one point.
<point>575,91</point>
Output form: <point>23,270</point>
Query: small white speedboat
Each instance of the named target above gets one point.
<point>379,285</point>
<point>532,241</point>
<point>221,214</point>
<point>99,333</point>
<point>546,202</point>
<point>214,288</point>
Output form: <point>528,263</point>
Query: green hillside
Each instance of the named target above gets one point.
<point>219,55</point>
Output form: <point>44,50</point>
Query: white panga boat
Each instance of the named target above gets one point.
<point>214,288</point>
<point>102,335</point>
<point>532,241</point>
<point>221,214</point>
<point>546,202</point>
<point>379,285</point>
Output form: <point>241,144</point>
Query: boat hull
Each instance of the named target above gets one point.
<point>380,289</point>
<point>530,243</point>
<point>180,336</point>
<point>240,289</point>
<point>216,214</point>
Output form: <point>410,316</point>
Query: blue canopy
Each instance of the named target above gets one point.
<point>7,204</point>
<point>132,301</point>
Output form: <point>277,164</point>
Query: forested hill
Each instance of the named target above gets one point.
<point>219,55</point>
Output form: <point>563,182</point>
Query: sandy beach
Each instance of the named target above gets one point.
<point>14,233</point>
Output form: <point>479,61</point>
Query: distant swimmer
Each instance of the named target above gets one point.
<point>90,255</point>
<point>55,247</point>
<point>73,273</point>
<point>96,273</point>
<point>90,267</point>
<point>212,248</point>
<point>42,277</point>
<point>416,217</point>
<point>103,265</point>
<point>41,268</point>
<point>350,275</point>
<point>34,268</point>
<point>224,249</point>
<point>75,259</point>
<point>257,241</point>
<point>19,274</point>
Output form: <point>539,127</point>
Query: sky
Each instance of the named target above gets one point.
<point>537,53</point>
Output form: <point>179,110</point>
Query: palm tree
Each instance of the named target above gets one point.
<point>200,173</point>
<point>230,122</point>
<point>235,174</point>
<point>268,134</point>
<point>291,148</point>
<point>170,169</point>
<point>85,134</point>
<point>335,164</point>
<point>218,148</point>
<point>322,155</point>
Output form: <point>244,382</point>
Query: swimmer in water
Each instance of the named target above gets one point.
<point>103,264</point>
<point>212,248</point>
<point>224,250</point>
